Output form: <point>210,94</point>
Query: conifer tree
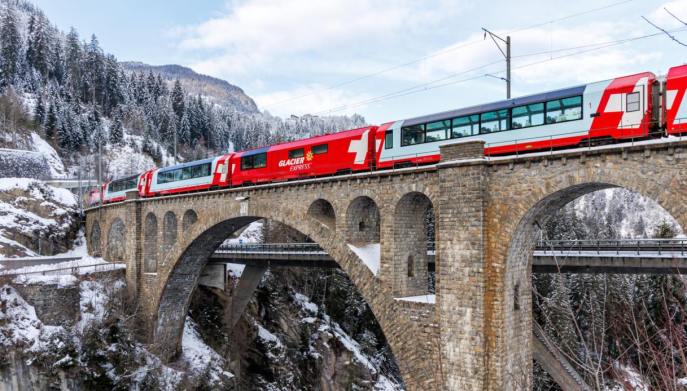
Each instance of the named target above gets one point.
<point>51,123</point>
<point>10,45</point>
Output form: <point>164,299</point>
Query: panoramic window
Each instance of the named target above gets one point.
<point>319,149</point>
<point>296,153</point>
<point>411,135</point>
<point>494,121</point>
<point>436,131</point>
<point>254,161</point>
<point>123,184</point>
<point>389,139</point>
<point>562,110</point>
<point>465,126</point>
<point>526,116</point>
<point>185,173</point>
<point>632,102</point>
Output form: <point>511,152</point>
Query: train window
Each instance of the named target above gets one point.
<point>411,135</point>
<point>562,110</point>
<point>246,162</point>
<point>123,184</point>
<point>465,126</point>
<point>436,131</point>
<point>260,160</point>
<point>632,102</point>
<point>494,121</point>
<point>389,139</point>
<point>528,115</point>
<point>320,149</point>
<point>294,153</point>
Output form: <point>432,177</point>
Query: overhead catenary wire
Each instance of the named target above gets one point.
<point>440,53</point>
<point>431,85</point>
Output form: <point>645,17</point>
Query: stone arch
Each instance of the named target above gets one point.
<point>516,294</point>
<point>150,250</point>
<point>190,218</point>
<point>116,241</point>
<point>169,231</point>
<point>175,296</point>
<point>411,236</point>
<point>95,239</point>
<point>322,211</point>
<point>362,221</point>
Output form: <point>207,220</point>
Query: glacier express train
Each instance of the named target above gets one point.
<point>635,107</point>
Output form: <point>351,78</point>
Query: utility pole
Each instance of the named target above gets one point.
<point>505,53</point>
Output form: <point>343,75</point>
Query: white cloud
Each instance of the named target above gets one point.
<point>256,32</point>
<point>307,99</point>
<point>664,19</point>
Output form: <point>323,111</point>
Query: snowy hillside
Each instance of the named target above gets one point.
<point>35,218</point>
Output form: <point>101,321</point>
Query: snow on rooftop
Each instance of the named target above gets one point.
<point>370,255</point>
<point>429,299</point>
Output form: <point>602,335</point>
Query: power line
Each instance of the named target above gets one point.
<point>433,84</point>
<point>441,52</point>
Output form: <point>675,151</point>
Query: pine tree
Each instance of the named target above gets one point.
<point>10,45</point>
<point>178,99</point>
<point>51,123</point>
<point>73,62</point>
<point>39,112</point>
<point>117,130</point>
<point>38,45</point>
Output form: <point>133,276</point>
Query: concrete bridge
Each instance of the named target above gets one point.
<point>478,333</point>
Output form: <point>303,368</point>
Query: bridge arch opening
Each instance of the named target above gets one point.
<point>177,294</point>
<point>362,221</point>
<point>568,308</point>
<point>190,218</point>
<point>413,236</point>
<point>150,250</point>
<point>95,239</point>
<point>322,211</point>
<point>116,239</point>
<point>169,231</point>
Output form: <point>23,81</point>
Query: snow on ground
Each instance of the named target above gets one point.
<point>305,303</point>
<point>251,234</point>
<point>429,299</point>
<point>20,209</point>
<point>630,379</point>
<point>369,254</point>
<point>200,357</point>
<point>51,156</point>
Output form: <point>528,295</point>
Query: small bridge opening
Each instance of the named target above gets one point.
<point>591,290</point>
<point>413,258</point>
<point>362,221</point>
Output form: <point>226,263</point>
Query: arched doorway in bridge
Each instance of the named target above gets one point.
<point>116,242</point>
<point>178,293</point>
<point>413,260</point>
<point>598,314</point>
<point>362,221</point>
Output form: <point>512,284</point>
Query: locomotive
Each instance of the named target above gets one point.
<point>638,106</point>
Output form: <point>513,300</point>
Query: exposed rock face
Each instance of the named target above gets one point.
<point>35,219</point>
<point>287,340</point>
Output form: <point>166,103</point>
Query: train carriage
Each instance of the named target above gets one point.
<point>330,154</point>
<point>618,109</point>
<point>675,102</point>
<point>197,175</point>
<point>115,190</point>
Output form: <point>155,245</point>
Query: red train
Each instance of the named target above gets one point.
<point>630,107</point>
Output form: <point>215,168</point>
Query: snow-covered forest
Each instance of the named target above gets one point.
<point>77,96</point>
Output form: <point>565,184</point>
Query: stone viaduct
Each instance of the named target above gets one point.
<point>478,333</point>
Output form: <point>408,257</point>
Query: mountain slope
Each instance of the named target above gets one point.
<point>217,90</point>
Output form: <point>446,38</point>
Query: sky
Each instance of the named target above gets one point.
<point>385,59</point>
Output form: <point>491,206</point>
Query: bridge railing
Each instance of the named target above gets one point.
<point>73,270</point>
<point>281,248</point>
<point>270,248</point>
<point>637,246</point>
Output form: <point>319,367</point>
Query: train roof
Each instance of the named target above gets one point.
<point>188,164</point>
<point>503,104</point>
<point>323,138</point>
